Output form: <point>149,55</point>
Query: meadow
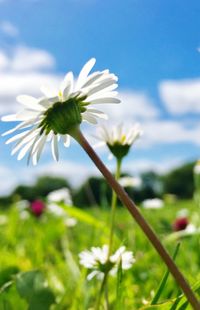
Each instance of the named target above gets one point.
<point>40,269</point>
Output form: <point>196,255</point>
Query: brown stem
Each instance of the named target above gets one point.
<point>140,220</point>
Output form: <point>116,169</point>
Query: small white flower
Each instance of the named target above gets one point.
<point>130,181</point>
<point>52,117</point>
<point>197,168</point>
<point>97,260</point>
<point>3,219</point>
<point>118,138</point>
<point>70,222</point>
<point>60,195</point>
<point>154,203</point>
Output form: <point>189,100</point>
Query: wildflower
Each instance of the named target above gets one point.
<point>3,219</point>
<point>55,115</point>
<point>154,203</point>
<point>130,182</point>
<point>54,198</point>
<point>197,168</point>
<point>70,221</point>
<point>37,207</point>
<point>97,260</point>
<point>119,139</point>
<point>180,223</point>
<point>60,195</point>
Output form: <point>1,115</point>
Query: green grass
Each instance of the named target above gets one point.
<point>47,245</point>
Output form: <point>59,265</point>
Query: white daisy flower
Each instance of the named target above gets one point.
<point>97,260</point>
<point>118,139</point>
<point>54,116</point>
<point>197,168</point>
<point>130,182</point>
<point>154,203</point>
<point>60,195</point>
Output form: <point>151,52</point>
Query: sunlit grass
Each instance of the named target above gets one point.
<point>48,245</point>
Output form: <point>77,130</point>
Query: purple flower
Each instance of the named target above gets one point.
<point>37,207</point>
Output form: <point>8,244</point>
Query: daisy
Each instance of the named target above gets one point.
<point>60,195</point>
<point>197,168</point>
<point>55,115</point>
<point>154,203</point>
<point>118,138</point>
<point>130,182</point>
<point>97,260</point>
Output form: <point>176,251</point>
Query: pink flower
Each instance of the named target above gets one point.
<point>180,223</point>
<point>37,207</point>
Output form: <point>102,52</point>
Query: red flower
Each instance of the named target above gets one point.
<point>37,207</point>
<point>180,223</point>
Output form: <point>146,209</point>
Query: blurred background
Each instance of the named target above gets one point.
<point>151,45</point>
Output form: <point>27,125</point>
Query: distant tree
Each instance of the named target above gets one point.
<point>46,184</point>
<point>43,186</point>
<point>94,191</point>
<point>151,187</point>
<point>180,181</point>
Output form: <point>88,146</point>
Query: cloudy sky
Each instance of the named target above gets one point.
<point>153,47</point>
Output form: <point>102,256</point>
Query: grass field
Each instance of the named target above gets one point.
<point>47,246</point>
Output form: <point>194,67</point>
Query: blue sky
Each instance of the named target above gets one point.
<point>151,45</point>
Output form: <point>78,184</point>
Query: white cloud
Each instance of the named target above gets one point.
<point>159,166</point>
<point>13,84</point>
<point>23,59</point>
<point>134,106</point>
<point>8,180</point>
<point>9,29</point>
<point>181,97</point>
<point>21,72</point>
<point>162,132</point>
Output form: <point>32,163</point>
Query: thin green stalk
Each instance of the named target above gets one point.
<point>113,207</point>
<point>164,279</point>
<point>103,283</point>
<point>146,228</point>
<point>112,222</point>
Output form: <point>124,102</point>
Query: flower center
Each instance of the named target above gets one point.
<point>63,117</point>
<point>119,150</point>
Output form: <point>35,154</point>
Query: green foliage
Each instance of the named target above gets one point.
<point>43,186</point>
<point>94,191</point>
<point>33,288</point>
<point>42,256</point>
<point>180,181</point>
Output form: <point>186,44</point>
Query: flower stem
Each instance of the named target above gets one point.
<point>103,283</point>
<point>148,231</point>
<point>113,207</point>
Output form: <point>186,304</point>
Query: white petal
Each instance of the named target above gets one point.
<point>103,87</point>
<point>26,115</point>
<point>66,140</point>
<point>54,147</point>
<point>67,86</point>
<point>84,72</point>
<point>34,143</point>
<point>30,102</point>
<point>49,92</point>
<point>92,78</point>
<point>105,100</point>
<point>20,126</point>
<point>44,102</point>
<point>37,154</point>
<point>30,136</point>
<point>97,113</point>
<point>24,150</point>
<point>18,136</point>
<point>9,118</point>
<point>89,118</point>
